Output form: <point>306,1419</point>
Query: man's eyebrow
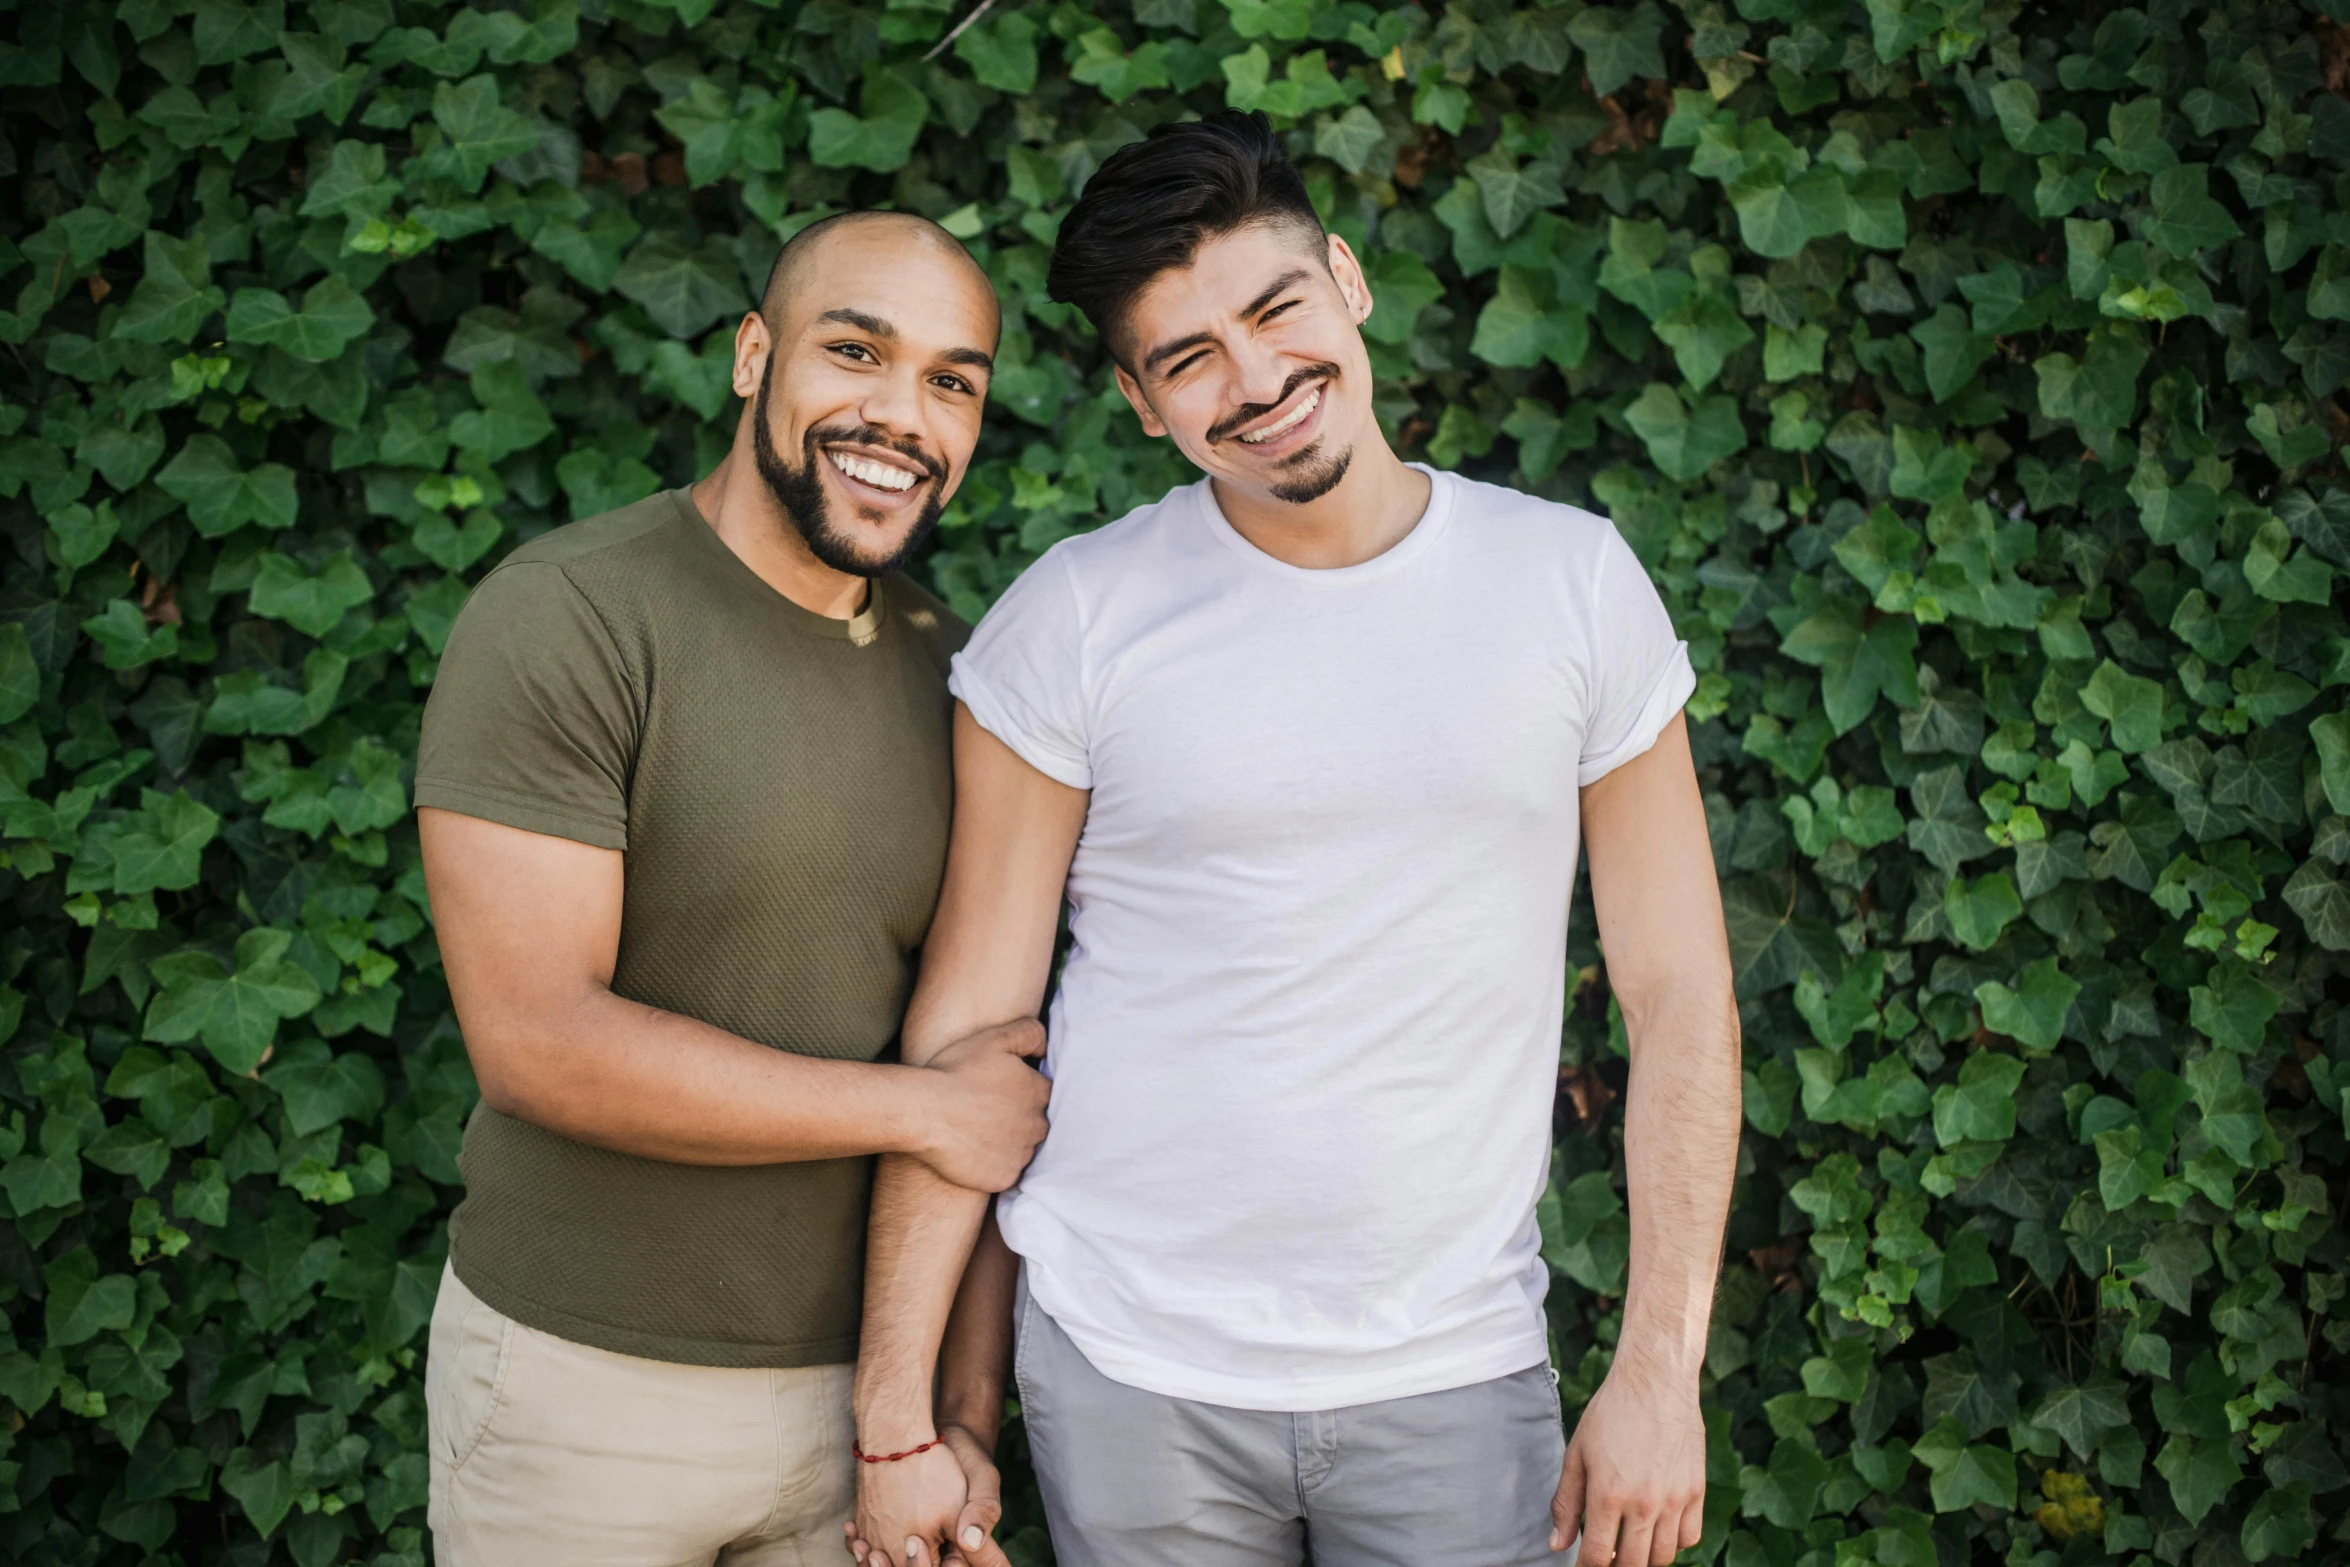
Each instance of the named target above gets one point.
<point>1279,286</point>
<point>861,321</point>
<point>1181,345</point>
<point>969,356</point>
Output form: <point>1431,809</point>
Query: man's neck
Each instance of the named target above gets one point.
<point>1364,515</point>
<point>743,513</point>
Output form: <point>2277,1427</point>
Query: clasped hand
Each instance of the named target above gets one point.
<point>936,1509</point>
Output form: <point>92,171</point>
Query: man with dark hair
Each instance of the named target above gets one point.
<point>1312,747</point>
<point>683,792</point>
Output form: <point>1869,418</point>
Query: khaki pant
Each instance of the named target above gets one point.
<point>549,1452</point>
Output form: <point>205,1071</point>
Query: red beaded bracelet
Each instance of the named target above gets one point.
<point>864,1457</point>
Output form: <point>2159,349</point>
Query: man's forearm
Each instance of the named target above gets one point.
<point>635,1079</point>
<point>976,1359</point>
<point>1681,1121</point>
<point>922,1233</point>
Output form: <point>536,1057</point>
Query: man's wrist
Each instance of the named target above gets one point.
<point>892,1416</point>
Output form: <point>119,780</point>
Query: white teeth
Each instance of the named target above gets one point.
<point>880,475</point>
<point>1312,402</point>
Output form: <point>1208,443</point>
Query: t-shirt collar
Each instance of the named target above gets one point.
<point>1431,526</point>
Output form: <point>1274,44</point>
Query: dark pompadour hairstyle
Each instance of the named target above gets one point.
<point>1152,204</point>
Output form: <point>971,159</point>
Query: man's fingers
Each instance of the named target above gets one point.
<point>1693,1523</point>
<point>1602,1518</point>
<point>1022,1036</point>
<point>1566,1505</point>
<point>976,1521</point>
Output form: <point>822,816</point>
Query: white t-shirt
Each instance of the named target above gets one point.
<point>1304,1050</point>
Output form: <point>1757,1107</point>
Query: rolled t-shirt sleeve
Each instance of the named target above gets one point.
<point>1023,676</point>
<point>1640,672</point>
<point>533,721</point>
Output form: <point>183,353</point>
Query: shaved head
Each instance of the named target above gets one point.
<point>804,249</point>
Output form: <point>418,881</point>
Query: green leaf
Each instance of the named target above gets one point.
<point>510,417</point>
<point>1778,215</point>
<point>234,1012</point>
<point>2201,1472</point>
<point>479,129</point>
<point>1522,324</point>
<point>1618,46</point>
<point>220,496</point>
<point>1858,662</point>
<point>2082,1413</point>
<point>2186,218</point>
<point>1702,333</point>
<point>1684,441</point>
<point>313,602</point>
<point>175,295</point>
<point>1980,909</point>
<point>2131,704</point>
<point>20,677</point>
<point>1980,1106</point>
<point>332,314</point>
<point>2034,1011</point>
<point>682,290</point>
<point>1402,287</point>
<point>82,1302</point>
<point>879,137</point>
<point>165,850</point>
<point>1001,52</point>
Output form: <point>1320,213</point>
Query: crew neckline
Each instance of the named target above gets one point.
<point>1423,535</point>
<point>859,630</point>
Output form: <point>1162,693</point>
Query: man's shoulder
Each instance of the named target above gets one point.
<point>575,542</point>
<point>1147,530</point>
<point>1529,521</point>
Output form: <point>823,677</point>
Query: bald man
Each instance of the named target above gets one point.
<point>683,790</point>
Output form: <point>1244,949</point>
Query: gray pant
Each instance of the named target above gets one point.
<point>1461,1478</point>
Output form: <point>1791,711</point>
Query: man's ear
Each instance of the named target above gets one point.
<point>1352,285</point>
<point>752,344</point>
<point>1152,424</point>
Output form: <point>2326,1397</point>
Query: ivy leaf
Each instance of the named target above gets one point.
<point>2232,1007</point>
<point>1513,191</point>
<point>1857,661</point>
<point>1685,440</point>
<point>879,137</point>
<point>234,1012</point>
<point>2131,705</point>
<point>510,417</point>
<point>1702,333</point>
<point>312,602</point>
<point>2082,1413</point>
<point>480,130</point>
<point>332,314</point>
<point>20,677</point>
<point>2186,218</point>
<point>1980,1106</point>
<point>1001,52</point>
<point>682,290</point>
<point>83,1302</point>
<point>220,496</point>
<point>1980,909</point>
<point>1618,46</point>
<point>1522,324</point>
<point>2201,1472</point>
<point>175,296</point>
<point>2318,893</point>
<point>1778,216</point>
<point>2034,1011</point>
<point>166,849</point>
<point>1402,287</point>
<point>2100,389</point>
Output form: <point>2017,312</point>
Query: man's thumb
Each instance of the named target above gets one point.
<point>976,1520</point>
<point>1566,1506</point>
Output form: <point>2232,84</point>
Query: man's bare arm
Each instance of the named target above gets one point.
<point>985,963</point>
<point>529,929</point>
<point>1635,1474</point>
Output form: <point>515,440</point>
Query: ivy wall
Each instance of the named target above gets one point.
<point>1967,374</point>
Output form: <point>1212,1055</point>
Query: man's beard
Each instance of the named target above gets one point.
<point>800,491</point>
<point>1312,473</point>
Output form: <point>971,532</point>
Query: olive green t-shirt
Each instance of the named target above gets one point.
<point>780,782</point>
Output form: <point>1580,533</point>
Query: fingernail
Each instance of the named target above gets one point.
<point>1557,1543</point>
<point>973,1538</point>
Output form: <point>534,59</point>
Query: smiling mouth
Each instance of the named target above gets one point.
<point>872,471</point>
<point>1287,422</point>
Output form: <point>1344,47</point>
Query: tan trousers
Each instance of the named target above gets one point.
<point>547,1453</point>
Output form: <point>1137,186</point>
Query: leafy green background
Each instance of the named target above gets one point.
<point>1967,374</point>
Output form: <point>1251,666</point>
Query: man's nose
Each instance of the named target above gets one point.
<point>1259,373</point>
<point>893,402</point>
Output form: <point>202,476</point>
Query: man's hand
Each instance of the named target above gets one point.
<point>1634,1479</point>
<point>904,1509</point>
<point>989,1112</point>
<point>972,1541</point>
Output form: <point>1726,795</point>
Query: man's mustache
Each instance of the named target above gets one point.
<point>1250,413</point>
<point>871,435</point>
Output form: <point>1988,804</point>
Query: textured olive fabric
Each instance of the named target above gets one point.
<point>781,783</point>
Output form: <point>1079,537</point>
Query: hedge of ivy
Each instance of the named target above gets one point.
<point>1967,373</point>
